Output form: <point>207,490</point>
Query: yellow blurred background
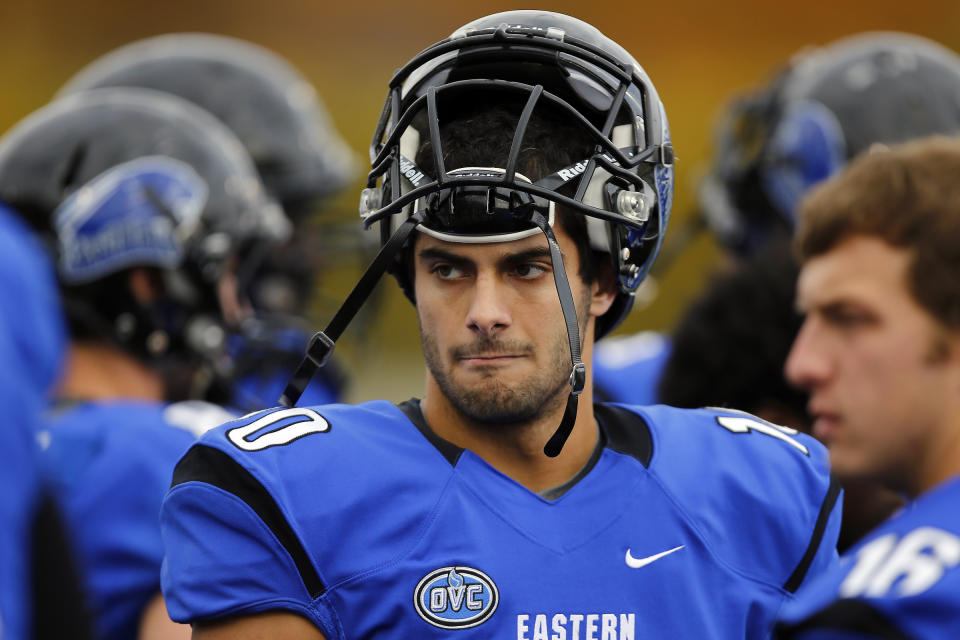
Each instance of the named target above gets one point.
<point>699,53</point>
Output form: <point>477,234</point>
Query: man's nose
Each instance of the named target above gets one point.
<point>808,363</point>
<point>489,311</point>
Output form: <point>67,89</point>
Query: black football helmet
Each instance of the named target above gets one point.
<point>623,185</point>
<point>121,178</point>
<point>268,104</point>
<point>301,158</point>
<point>825,107</point>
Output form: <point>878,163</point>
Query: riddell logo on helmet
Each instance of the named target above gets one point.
<point>573,171</point>
<point>409,171</point>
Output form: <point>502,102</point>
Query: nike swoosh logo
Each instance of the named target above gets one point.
<point>636,563</point>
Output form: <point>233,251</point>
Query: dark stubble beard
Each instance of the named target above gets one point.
<point>489,400</point>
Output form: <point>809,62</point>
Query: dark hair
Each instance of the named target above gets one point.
<point>730,346</point>
<point>480,134</point>
<point>907,196</point>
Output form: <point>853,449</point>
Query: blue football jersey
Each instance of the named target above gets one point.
<point>18,502</point>
<point>627,369</point>
<point>690,524</point>
<point>901,581</point>
<point>110,464</point>
<point>32,342</point>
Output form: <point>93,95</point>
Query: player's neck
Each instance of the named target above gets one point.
<point>101,372</point>
<point>517,450</point>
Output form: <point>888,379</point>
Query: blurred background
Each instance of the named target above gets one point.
<point>699,54</point>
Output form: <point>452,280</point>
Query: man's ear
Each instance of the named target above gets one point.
<point>604,290</point>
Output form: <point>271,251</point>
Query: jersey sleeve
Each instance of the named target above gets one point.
<point>760,494</point>
<point>229,547</point>
<point>901,581</point>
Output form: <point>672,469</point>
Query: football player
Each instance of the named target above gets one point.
<point>521,181</point>
<point>147,201</point>
<point>303,161</point>
<point>879,351</point>
<point>827,105</point>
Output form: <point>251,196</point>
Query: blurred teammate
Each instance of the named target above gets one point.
<point>521,181</point>
<point>729,348</point>
<point>879,351</point>
<point>147,201</point>
<point>40,594</point>
<point>826,106</point>
<point>303,161</point>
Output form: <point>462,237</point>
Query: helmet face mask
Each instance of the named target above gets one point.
<point>543,62</point>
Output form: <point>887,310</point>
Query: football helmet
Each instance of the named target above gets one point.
<point>268,104</point>
<point>623,184</point>
<point>825,107</point>
<point>301,158</point>
<point>120,178</point>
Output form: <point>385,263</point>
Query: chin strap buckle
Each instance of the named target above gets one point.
<point>320,349</point>
<point>578,378</point>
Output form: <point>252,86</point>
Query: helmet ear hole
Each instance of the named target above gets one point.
<point>145,285</point>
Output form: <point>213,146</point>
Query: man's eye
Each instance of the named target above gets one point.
<point>447,271</point>
<point>845,318</point>
<point>529,270</point>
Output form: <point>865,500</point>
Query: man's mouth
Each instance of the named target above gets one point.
<point>488,358</point>
<point>825,422</point>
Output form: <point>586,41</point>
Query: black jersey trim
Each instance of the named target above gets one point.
<point>411,409</point>
<point>60,608</point>
<point>845,615</point>
<point>626,432</point>
<point>214,467</point>
<point>796,578</point>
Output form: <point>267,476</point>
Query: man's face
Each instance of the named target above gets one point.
<point>879,367</point>
<point>493,332</point>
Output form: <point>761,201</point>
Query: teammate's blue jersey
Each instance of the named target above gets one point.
<point>255,392</point>
<point>32,342</point>
<point>690,524</point>
<point>901,581</point>
<point>19,497</point>
<point>627,369</point>
<point>266,362</point>
<point>110,464</point>
<point>30,310</point>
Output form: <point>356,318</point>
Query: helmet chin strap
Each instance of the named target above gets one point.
<point>322,343</point>
<point>578,374</point>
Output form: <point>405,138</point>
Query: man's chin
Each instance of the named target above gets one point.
<point>503,404</point>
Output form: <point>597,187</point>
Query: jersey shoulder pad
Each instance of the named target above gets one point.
<point>740,479</point>
<point>293,500</point>
<point>285,443</point>
<point>94,440</point>
<point>196,416</point>
<point>628,369</point>
<point>901,581</point>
